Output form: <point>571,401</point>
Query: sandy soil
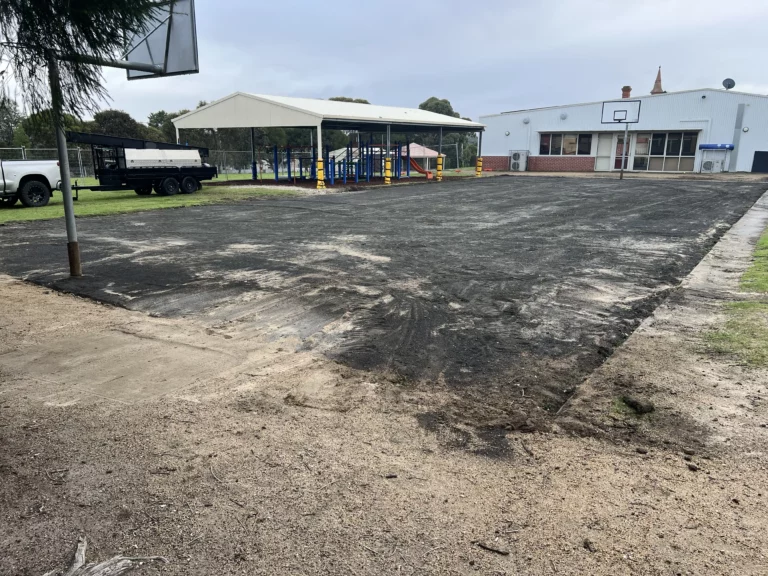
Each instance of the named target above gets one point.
<point>238,453</point>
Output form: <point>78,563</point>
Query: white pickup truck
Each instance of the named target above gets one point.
<point>30,181</point>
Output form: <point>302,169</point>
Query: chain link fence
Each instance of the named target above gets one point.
<point>80,160</point>
<point>232,164</point>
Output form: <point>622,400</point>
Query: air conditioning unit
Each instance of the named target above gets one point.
<point>518,160</point>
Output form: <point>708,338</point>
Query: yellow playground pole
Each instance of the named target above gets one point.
<point>388,171</point>
<point>479,167</point>
<point>439,177</point>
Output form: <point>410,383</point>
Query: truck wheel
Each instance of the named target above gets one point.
<point>144,190</point>
<point>188,185</point>
<point>8,202</point>
<point>34,194</point>
<point>169,187</point>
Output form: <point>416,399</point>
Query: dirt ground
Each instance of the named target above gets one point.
<point>240,452</point>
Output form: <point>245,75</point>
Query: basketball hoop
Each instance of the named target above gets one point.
<point>625,112</point>
<point>168,44</point>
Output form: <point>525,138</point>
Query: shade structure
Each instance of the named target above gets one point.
<point>242,110</point>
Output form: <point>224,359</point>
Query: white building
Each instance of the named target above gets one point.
<point>704,130</point>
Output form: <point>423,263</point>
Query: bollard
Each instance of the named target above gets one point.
<point>320,175</point>
<point>388,171</point>
<point>479,168</point>
<point>439,176</point>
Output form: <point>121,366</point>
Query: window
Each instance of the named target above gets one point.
<point>585,144</point>
<point>689,144</point>
<point>674,142</point>
<point>570,144</point>
<point>657,144</point>
<point>665,152</point>
<point>557,144</point>
<point>565,144</point>
<point>546,139</point>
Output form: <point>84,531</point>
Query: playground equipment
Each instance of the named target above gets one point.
<point>420,170</point>
<point>360,160</point>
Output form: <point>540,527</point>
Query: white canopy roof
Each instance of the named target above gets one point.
<point>241,110</point>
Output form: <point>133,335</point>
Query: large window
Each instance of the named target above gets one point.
<point>565,144</point>
<point>666,151</point>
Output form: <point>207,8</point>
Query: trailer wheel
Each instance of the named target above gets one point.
<point>169,187</point>
<point>144,190</point>
<point>34,194</point>
<point>188,185</point>
<point>8,202</point>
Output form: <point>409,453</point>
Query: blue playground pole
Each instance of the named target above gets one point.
<point>313,168</point>
<point>399,160</point>
<point>276,164</point>
<point>254,173</point>
<point>288,159</point>
<point>301,168</point>
<point>345,170</point>
<point>357,170</point>
<point>332,170</point>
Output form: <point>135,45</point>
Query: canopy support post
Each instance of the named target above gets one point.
<point>254,172</point>
<point>439,176</point>
<point>388,160</point>
<point>320,170</point>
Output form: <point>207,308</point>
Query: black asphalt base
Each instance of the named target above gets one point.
<point>519,285</point>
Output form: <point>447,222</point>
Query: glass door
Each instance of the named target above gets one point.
<point>622,152</point>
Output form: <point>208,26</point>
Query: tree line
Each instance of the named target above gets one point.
<point>36,130</point>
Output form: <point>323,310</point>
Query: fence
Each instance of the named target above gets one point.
<point>229,162</point>
<point>80,160</point>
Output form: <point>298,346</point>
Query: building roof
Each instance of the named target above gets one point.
<point>241,110</point>
<point>718,90</point>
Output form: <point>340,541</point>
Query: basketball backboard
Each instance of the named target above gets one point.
<point>169,41</point>
<point>621,112</point>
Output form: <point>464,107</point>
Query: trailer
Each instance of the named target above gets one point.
<point>145,165</point>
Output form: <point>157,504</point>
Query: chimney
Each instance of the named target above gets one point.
<point>657,89</point>
<point>625,91</point>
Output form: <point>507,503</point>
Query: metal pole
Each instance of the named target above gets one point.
<point>73,248</point>
<point>253,154</point>
<point>178,141</point>
<point>388,161</point>
<point>624,151</point>
<point>80,163</point>
<point>320,167</point>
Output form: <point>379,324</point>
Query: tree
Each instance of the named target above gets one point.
<point>10,118</point>
<point>348,99</point>
<point>117,123</point>
<point>75,33</point>
<point>157,119</point>
<point>439,106</point>
<point>39,128</point>
<point>20,138</point>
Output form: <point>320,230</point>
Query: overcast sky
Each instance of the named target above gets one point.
<point>486,56</point>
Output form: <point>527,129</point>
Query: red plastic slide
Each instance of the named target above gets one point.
<point>420,170</point>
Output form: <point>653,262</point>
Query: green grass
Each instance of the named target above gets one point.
<point>745,333</point>
<point>755,279</point>
<point>101,203</point>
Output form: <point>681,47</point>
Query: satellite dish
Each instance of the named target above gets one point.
<point>728,83</point>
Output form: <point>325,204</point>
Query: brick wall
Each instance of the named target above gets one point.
<point>561,163</point>
<point>495,162</point>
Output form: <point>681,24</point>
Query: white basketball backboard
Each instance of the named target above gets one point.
<point>169,40</point>
<point>621,112</point>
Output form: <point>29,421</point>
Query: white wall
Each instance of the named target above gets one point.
<point>712,112</point>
